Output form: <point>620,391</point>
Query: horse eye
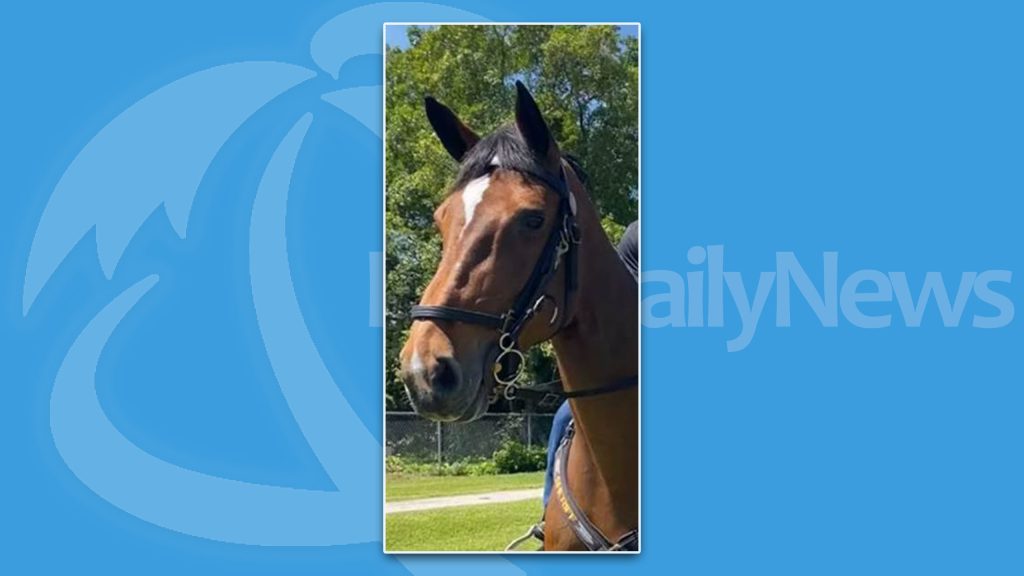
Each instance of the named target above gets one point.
<point>533,220</point>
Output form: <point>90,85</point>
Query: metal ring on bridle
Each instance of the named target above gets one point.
<point>519,367</point>
<point>510,392</point>
<point>539,302</point>
<point>506,342</point>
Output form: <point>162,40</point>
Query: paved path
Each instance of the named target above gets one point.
<point>463,500</point>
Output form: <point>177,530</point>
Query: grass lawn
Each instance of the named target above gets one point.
<point>463,528</point>
<point>412,486</point>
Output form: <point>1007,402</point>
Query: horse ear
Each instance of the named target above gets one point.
<point>534,130</point>
<point>456,137</point>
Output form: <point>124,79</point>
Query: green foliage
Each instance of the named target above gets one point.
<point>515,457</point>
<point>395,465</point>
<point>462,467</point>
<point>585,79</point>
<point>512,457</point>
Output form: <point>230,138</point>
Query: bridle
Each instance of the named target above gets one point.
<point>561,246</point>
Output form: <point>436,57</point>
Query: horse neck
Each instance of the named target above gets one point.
<point>599,347</point>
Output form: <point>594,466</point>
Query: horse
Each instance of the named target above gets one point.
<point>525,260</point>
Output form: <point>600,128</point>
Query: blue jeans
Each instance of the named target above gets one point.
<point>558,425</point>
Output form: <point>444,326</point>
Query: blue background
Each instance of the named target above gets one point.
<point>888,132</point>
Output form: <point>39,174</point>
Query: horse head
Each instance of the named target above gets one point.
<point>507,225</point>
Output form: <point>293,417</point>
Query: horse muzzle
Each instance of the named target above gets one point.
<point>443,389</point>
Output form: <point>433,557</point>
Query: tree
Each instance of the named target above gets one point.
<point>585,79</point>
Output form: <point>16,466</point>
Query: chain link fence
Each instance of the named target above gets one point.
<point>409,435</point>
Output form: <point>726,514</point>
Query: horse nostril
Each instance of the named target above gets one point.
<point>446,375</point>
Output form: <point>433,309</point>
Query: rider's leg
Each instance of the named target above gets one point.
<point>558,425</point>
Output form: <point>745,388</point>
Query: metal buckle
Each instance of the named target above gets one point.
<point>571,230</point>
<point>568,237</point>
<point>562,248</point>
<point>509,320</point>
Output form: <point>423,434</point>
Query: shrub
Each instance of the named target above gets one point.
<point>515,457</point>
<point>394,465</point>
<point>483,468</point>
<point>463,467</point>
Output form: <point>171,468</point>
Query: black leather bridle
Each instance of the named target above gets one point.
<point>561,246</point>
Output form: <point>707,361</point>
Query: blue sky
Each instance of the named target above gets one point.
<point>396,34</point>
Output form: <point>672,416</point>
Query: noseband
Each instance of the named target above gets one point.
<point>561,245</point>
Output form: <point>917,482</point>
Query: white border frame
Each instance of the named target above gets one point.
<point>384,287</point>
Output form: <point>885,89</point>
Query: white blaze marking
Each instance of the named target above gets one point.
<point>495,161</point>
<point>415,364</point>
<point>472,194</point>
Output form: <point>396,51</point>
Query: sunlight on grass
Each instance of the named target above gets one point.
<point>408,487</point>
<point>463,528</point>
